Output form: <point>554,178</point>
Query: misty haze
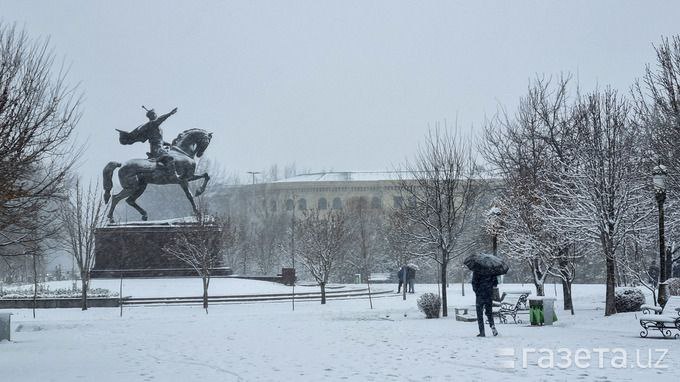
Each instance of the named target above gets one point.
<point>339,190</point>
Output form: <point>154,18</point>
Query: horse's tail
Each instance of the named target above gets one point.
<point>108,179</point>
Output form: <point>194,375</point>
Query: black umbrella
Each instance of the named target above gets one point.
<point>486,264</point>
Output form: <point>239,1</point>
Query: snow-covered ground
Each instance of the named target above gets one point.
<point>344,340</point>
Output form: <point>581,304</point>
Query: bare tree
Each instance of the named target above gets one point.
<point>268,232</point>
<point>657,108</point>
<point>79,215</point>
<point>601,196</point>
<point>230,240</point>
<point>38,114</point>
<point>440,194</point>
<point>321,241</point>
<point>657,104</point>
<point>200,248</point>
<point>364,253</point>
<point>397,244</point>
<point>527,150</point>
<point>565,260</point>
<point>635,262</point>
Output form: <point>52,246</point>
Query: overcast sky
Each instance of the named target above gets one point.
<point>341,85</point>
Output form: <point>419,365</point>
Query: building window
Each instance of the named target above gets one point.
<point>376,203</point>
<point>398,202</point>
<point>323,204</point>
<point>337,204</point>
<point>302,204</point>
<point>289,205</point>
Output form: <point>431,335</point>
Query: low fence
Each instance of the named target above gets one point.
<point>46,303</point>
<point>112,302</point>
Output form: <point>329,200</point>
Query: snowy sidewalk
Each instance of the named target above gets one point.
<point>343,340</point>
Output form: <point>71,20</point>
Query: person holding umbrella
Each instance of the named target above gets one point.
<point>483,286</point>
<point>411,276</point>
<point>486,268</point>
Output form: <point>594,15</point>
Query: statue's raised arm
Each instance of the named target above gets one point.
<point>165,116</point>
<point>149,131</point>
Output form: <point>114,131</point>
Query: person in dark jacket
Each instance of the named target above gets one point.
<point>483,286</point>
<point>400,276</point>
<point>410,278</point>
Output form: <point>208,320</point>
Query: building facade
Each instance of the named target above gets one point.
<point>322,191</point>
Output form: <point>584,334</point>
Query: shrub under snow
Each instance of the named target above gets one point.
<point>430,303</point>
<point>628,299</point>
<point>674,286</point>
<point>45,292</point>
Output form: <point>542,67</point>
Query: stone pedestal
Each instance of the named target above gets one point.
<point>136,249</point>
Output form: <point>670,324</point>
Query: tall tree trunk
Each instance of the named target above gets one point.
<point>538,277</point>
<point>323,293</point>
<point>540,287</point>
<point>35,283</point>
<point>566,292</point>
<point>84,281</point>
<point>610,304</point>
<point>445,310</point>
<point>370,298</point>
<point>205,294</point>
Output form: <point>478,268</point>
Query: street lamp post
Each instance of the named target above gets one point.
<point>253,173</point>
<point>494,216</point>
<point>292,249</point>
<point>659,178</point>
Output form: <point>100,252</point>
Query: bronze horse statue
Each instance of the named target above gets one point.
<point>136,174</point>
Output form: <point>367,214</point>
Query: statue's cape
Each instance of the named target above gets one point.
<point>128,138</point>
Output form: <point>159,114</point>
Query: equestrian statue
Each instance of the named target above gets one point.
<point>166,163</point>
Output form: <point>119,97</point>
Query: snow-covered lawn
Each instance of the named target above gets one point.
<point>343,340</point>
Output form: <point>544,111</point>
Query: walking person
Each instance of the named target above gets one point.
<point>400,276</point>
<point>411,277</point>
<point>483,286</point>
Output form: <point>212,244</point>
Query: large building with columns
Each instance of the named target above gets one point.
<point>331,190</point>
<point>322,191</point>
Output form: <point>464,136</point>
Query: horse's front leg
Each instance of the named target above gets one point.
<point>114,201</point>
<point>185,187</point>
<point>205,177</point>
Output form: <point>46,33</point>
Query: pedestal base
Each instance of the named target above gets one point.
<point>136,249</point>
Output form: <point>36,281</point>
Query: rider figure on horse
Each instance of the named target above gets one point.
<point>152,132</point>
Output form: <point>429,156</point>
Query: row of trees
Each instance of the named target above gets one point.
<point>43,208</point>
<point>573,169</point>
<point>577,172</point>
<point>38,115</point>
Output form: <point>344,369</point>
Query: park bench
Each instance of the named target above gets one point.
<point>379,277</point>
<point>509,306</point>
<point>672,307</point>
<point>665,324</point>
<point>665,319</point>
<point>523,296</point>
<point>462,314</point>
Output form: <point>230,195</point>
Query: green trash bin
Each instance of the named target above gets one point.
<point>536,311</point>
<point>539,307</point>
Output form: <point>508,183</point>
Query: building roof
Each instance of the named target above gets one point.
<point>357,176</point>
